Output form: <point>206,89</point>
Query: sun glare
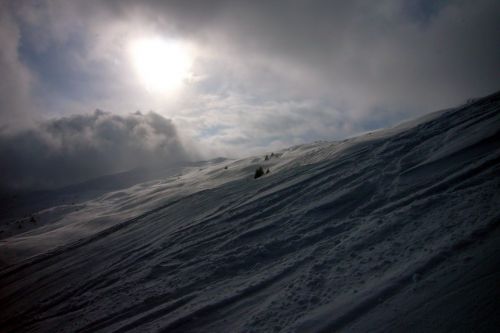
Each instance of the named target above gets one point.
<point>162,65</point>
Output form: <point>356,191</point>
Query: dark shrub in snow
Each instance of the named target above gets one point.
<point>259,172</point>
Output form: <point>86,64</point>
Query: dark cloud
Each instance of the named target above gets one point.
<point>366,55</point>
<point>76,148</point>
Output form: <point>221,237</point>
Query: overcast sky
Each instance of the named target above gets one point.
<point>262,75</point>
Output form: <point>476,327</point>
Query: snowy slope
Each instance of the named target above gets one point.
<point>395,230</point>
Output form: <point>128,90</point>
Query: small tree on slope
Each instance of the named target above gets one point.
<point>259,172</point>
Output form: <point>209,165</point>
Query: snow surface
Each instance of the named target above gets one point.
<point>394,230</point>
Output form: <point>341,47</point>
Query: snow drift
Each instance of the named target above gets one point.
<point>394,230</point>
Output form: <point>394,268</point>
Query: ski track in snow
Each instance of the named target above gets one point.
<point>339,236</point>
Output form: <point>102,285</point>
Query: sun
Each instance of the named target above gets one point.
<point>162,65</point>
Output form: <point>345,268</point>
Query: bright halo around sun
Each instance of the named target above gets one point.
<point>162,66</point>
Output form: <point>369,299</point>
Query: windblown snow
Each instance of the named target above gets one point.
<point>394,230</point>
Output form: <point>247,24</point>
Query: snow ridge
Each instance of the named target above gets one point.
<point>393,230</point>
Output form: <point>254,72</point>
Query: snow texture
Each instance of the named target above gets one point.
<point>394,230</point>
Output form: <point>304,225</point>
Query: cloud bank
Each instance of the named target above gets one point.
<point>76,148</point>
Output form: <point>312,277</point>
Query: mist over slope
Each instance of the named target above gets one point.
<point>394,230</point>
<point>76,148</point>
